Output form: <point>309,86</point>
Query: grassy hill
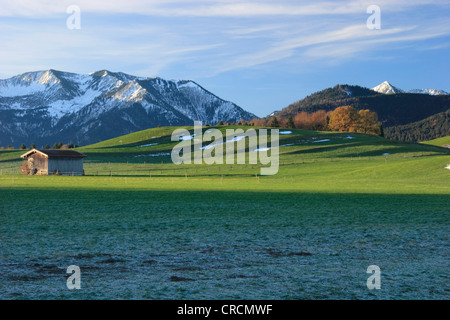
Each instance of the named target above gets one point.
<point>303,154</point>
<point>439,141</point>
<point>147,229</point>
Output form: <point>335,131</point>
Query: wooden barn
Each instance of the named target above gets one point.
<point>49,162</point>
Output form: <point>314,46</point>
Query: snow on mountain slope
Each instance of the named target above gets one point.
<point>27,83</point>
<point>86,108</point>
<point>432,92</point>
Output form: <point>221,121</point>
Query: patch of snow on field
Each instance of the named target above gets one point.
<point>236,139</point>
<point>323,140</point>
<point>447,167</point>
<point>220,142</point>
<point>184,138</point>
<point>262,149</point>
<point>286,145</point>
<point>350,137</point>
<point>285,132</point>
<point>161,154</point>
<point>147,145</point>
<point>209,146</point>
<point>386,154</point>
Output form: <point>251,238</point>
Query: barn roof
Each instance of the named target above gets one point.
<point>54,153</point>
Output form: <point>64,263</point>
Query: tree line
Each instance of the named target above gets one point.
<point>56,146</point>
<point>430,128</point>
<point>343,119</point>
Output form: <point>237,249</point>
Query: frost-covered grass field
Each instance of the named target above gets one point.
<point>141,227</point>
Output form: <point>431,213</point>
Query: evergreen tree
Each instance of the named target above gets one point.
<point>274,122</point>
<point>33,146</point>
<point>47,147</point>
<point>71,145</point>
<point>60,145</point>
<point>290,123</point>
<point>55,146</point>
<point>22,147</point>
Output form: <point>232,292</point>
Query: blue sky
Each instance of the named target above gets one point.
<point>262,55</point>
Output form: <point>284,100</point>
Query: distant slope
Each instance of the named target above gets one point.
<point>327,99</point>
<point>436,126</point>
<point>392,109</point>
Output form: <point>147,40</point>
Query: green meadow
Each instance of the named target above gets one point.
<point>142,227</point>
<point>439,141</point>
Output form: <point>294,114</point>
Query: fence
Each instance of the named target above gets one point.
<point>168,169</point>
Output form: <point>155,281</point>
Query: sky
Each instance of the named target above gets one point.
<point>261,55</point>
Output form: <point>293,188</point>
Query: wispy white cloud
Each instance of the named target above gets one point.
<point>333,46</point>
<point>202,38</point>
<point>207,8</point>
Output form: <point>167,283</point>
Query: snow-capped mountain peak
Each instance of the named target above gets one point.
<point>386,88</point>
<point>28,83</point>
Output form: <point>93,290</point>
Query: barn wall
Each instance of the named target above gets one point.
<point>38,162</point>
<point>65,166</point>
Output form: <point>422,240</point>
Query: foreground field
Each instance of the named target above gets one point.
<point>141,227</point>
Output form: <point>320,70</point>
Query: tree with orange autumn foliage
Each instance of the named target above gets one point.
<point>311,121</point>
<point>368,122</point>
<point>348,119</point>
<point>259,122</point>
<point>343,119</point>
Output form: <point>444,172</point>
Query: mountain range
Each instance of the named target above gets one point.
<point>49,106</point>
<point>44,107</point>
<point>387,88</point>
<point>405,116</point>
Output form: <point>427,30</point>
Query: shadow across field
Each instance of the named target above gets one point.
<point>393,148</point>
<point>249,244</point>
